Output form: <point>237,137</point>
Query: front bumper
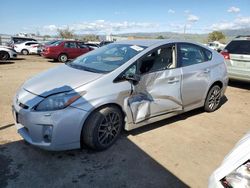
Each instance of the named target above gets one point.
<point>13,54</point>
<point>54,130</point>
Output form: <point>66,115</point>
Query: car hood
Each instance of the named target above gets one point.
<point>239,155</point>
<point>59,79</point>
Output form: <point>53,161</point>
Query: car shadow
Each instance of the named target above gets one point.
<point>122,165</point>
<point>19,58</point>
<point>7,62</point>
<point>171,120</point>
<point>239,84</point>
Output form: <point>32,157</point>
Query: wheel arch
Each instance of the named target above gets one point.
<point>217,82</point>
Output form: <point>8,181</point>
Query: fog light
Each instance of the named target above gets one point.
<point>47,133</point>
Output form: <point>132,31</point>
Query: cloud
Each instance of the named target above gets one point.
<point>50,27</point>
<point>187,11</point>
<point>233,10</point>
<point>192,18</point>
<point>237,23</point>
<point>102,26</point>
<point>171,11</point>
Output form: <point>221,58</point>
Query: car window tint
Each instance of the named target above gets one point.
<point>208,54</point>
<point>191,55</point>
<point>239,47</point>
<point>70,45</point>
<point>82,45</point>
<point>30,43</point>
<point>157,60</point>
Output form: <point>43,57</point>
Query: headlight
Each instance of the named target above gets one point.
<point>57,101</point>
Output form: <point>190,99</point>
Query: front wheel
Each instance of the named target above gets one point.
<point>102,128</point>
<point>213,99</point>
<point>4,55</point>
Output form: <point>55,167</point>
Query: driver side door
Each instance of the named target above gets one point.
<point>158,91</point>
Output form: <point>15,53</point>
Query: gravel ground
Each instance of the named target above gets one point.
<point>178,152</point>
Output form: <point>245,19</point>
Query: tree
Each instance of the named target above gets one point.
<point>160,37</point>
<point>87,38</point>
<point>216,36</point>
<point>65,33</point>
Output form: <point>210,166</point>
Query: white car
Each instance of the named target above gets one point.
<point>7,53</point>
<point>25,48</point>
<point>216,45</point>
<point>235,169</point>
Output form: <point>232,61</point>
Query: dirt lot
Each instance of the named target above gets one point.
<point>178,152</point>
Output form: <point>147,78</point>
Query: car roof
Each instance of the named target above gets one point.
<point>150,42</point>
<point>242,37</point>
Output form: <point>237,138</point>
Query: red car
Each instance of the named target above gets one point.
<point>64,50</point>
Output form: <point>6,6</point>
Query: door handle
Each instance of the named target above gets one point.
<point>173,80</point>
<point>206,71</point>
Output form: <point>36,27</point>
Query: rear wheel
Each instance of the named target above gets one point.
<point>4,55</point>
<point>63,58</point>
<point>213,99</point>
<point>25,52</point>
<point>102,128</point>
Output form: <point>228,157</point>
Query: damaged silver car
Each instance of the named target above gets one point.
<point>123,85</point>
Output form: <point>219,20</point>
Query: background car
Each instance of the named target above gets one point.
<point>216,45</point>
<point>234,172</point>
<point>64,50</point>
<point>237,57</point>
<point>91,45</point>
<point>7,53</point>
<point>17,40</point>
<point>41,46</point>
<point>103,43</point>
<point>25,48</point>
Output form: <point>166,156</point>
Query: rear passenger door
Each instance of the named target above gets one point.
<point>195,63</point>
<point>71,49</point>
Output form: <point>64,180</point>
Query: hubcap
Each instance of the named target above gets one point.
<point>63,58</point>
<point>214,98</point>
<point>109,128</point>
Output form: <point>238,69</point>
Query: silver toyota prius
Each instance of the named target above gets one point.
<point>123,85</point>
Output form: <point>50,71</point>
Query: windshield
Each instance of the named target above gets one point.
<point>56,43</point>
<point>106,58</point>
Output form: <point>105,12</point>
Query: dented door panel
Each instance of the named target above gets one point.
<point>156,94</point>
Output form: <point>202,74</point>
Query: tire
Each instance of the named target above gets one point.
<point>213,99</point>
<point>63,58</point>
<point>102,128</point>
<point>4,55</point>
<point>25,52</point>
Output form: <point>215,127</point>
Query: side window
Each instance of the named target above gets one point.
<point>190,54</point>
<point>131,70</point>
<point>70,45</point>
<point>208,54</point>
<point>82,45</point>
<point>157,60</point>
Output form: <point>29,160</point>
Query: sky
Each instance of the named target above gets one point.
<point>110,16</point>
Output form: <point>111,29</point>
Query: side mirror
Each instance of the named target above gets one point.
<point>134,78</point>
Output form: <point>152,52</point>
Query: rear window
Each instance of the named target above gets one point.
<point>239,47</point>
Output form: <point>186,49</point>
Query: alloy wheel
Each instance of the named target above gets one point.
<point>109,128</point>
<point>214,98</point>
